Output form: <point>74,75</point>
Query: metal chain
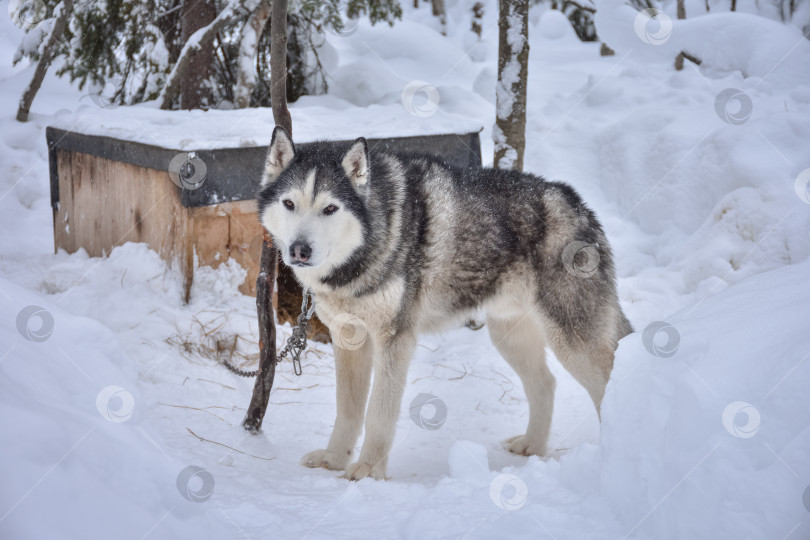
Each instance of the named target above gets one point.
<point>237,371</point>
<point>296,343</point>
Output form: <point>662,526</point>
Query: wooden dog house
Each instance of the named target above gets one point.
<point>107,191</point>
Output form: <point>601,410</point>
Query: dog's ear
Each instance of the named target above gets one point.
<point>355,163</point>
<point>279,156</point>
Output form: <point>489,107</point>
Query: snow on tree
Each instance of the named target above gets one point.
<point>509,132</point>
<point>143,50</point>
<point>48,35</point>
<point>117,43</point>
<point>199,42</point>
<point>248,49</point>
<point>580,15</point>
<point>194,92</point>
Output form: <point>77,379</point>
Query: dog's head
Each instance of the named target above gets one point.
<point>312,201</point>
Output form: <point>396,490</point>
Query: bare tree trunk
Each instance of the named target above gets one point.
<point>267,274</point>
<point>509,132</point>
<point>681,15</point>
<point>248,46</point>
<point>733,5</point>
<point>204,36</point>
<point>45,59</point>
<point>193,91</point>
<point>708,9</point>
<point>278,66</point>
<point>440,11</point>
<point>681,9</point>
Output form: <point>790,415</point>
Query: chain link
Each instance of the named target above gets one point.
<point>296,343</point>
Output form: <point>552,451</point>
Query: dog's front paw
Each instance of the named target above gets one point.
<point>360,470</point>
<point>326,459</point>
<point>524,446</point>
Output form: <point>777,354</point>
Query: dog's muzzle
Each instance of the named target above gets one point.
<point>300,253</point>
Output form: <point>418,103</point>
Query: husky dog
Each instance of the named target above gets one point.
<point>396,245</point>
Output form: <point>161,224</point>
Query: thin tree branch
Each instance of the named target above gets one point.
<point>230,447</point>
<point>45,59</point>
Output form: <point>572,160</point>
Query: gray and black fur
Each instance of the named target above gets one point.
<point>455,242</point>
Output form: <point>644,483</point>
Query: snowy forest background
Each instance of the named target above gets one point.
<point>684,124</point>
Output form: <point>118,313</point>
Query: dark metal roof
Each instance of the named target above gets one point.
<point>234,173</point>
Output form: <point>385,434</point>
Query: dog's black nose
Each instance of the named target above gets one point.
<point>300,251</point>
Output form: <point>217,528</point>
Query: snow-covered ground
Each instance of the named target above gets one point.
<point>111,429</point>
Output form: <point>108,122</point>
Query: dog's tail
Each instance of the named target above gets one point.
<point>625,328</point>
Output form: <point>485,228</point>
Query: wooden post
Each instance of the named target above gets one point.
<point>267,269</point>
<point>278,66</point>
<point>267,337</point>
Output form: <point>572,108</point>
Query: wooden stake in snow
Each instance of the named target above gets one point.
<point>267,337</point>
<point>267,269</point>
<point>278,66</point>
<point>62,12</point>
<point>509,132</point>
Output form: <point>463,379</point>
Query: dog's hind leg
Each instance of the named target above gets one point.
<point>353,374</point>
<point>520,341</point>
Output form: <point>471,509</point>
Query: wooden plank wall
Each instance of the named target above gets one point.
<point>228,230</point>
<point>104,203</point>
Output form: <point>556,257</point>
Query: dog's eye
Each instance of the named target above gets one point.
<point>331,209</point>
<point>289,204</point>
